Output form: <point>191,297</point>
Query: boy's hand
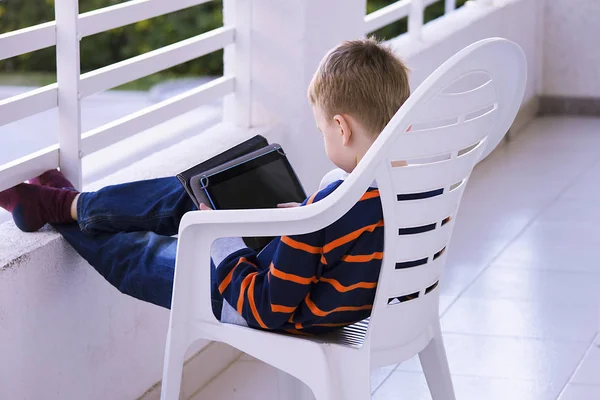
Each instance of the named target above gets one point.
<point>204,207</point>
<point>288,205</point>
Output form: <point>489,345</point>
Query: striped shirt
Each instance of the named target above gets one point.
<point>311,283</point>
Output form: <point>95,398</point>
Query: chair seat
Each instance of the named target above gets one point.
<point>353,335</point>
<point>349,336</point>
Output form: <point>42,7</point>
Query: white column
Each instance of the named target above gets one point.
<point>67,74</point>
<point>238,61</point>
<point>450,6</point>
<point>415,19</point>
<point>288,39</point>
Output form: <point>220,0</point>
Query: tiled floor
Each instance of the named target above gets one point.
<point>520,298</point>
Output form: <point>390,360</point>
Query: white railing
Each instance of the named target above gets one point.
<point>413,9</point>
<point>71,87</point>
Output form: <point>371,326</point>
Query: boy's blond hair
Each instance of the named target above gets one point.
<point>361,78</point>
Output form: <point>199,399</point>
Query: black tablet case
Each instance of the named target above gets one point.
<point>250,145</point>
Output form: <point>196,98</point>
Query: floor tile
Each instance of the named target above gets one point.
<point>478,238</point>
<point>456,279</point>
<point>576,233</point>
<point>580,392</point>
<point>380,375</point>
<point>239,382</point>
<point>403,385</point>
<point>536,285</point>
<point>412,386</point>
<point>586,187</point>
<point>509,358</point>
<point>528,253</point>
<point>196,375</point>
<point>589,370</point>
<point>568,209</point>
<point>536,320</point>
<point>445,302</point>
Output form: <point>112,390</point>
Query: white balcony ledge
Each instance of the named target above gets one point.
<point>60,321</point>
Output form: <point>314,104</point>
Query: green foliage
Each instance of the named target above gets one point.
<point>432,12</point>
<point>118,44</point>
<point>19,14</point>
<point>122,43</point>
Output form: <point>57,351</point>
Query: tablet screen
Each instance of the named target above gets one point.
<point>262,182</point>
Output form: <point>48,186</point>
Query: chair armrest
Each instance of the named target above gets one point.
<point>267,222</point>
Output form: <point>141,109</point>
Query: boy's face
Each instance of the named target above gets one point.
<point>335,140</point>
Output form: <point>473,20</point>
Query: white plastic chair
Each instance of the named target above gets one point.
<point>456,117</point>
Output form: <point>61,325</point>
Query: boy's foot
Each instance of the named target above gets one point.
<point>34,206</point>
<point>53,178</point>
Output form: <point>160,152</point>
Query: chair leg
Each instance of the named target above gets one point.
<point>435,366</point>
<point>291,388</point>
<point>173,367</point>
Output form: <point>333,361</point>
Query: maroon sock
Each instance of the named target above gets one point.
<point>34,206</point>
<point>52,178</point>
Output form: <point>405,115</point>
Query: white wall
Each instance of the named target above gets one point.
<point>572,48</point>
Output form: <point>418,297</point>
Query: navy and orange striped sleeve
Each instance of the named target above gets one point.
<point>266,295</point>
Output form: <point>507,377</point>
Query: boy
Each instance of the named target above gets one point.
<point>308,283</point>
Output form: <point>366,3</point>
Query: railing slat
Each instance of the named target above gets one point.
<point>122,128</point>
<point>400,9</point>
<point>108,18</point>
<point>27,167</point>
<point>68,70</point>
<point>29,103</point>
<point>416,19</point>
<point>387,15</point>
<point>237,60</point>
<point>27,40</point>
<point>155,61</point>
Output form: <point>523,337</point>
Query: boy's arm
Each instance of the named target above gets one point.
<point>267,298</point>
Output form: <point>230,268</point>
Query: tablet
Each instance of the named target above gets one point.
<point>261,179</point>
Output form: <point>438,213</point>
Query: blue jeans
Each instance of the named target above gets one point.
<point>125,232</point>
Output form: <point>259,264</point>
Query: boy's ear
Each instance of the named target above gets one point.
<point>344,127</point>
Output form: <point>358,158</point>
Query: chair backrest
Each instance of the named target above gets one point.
<point>425,157</point>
